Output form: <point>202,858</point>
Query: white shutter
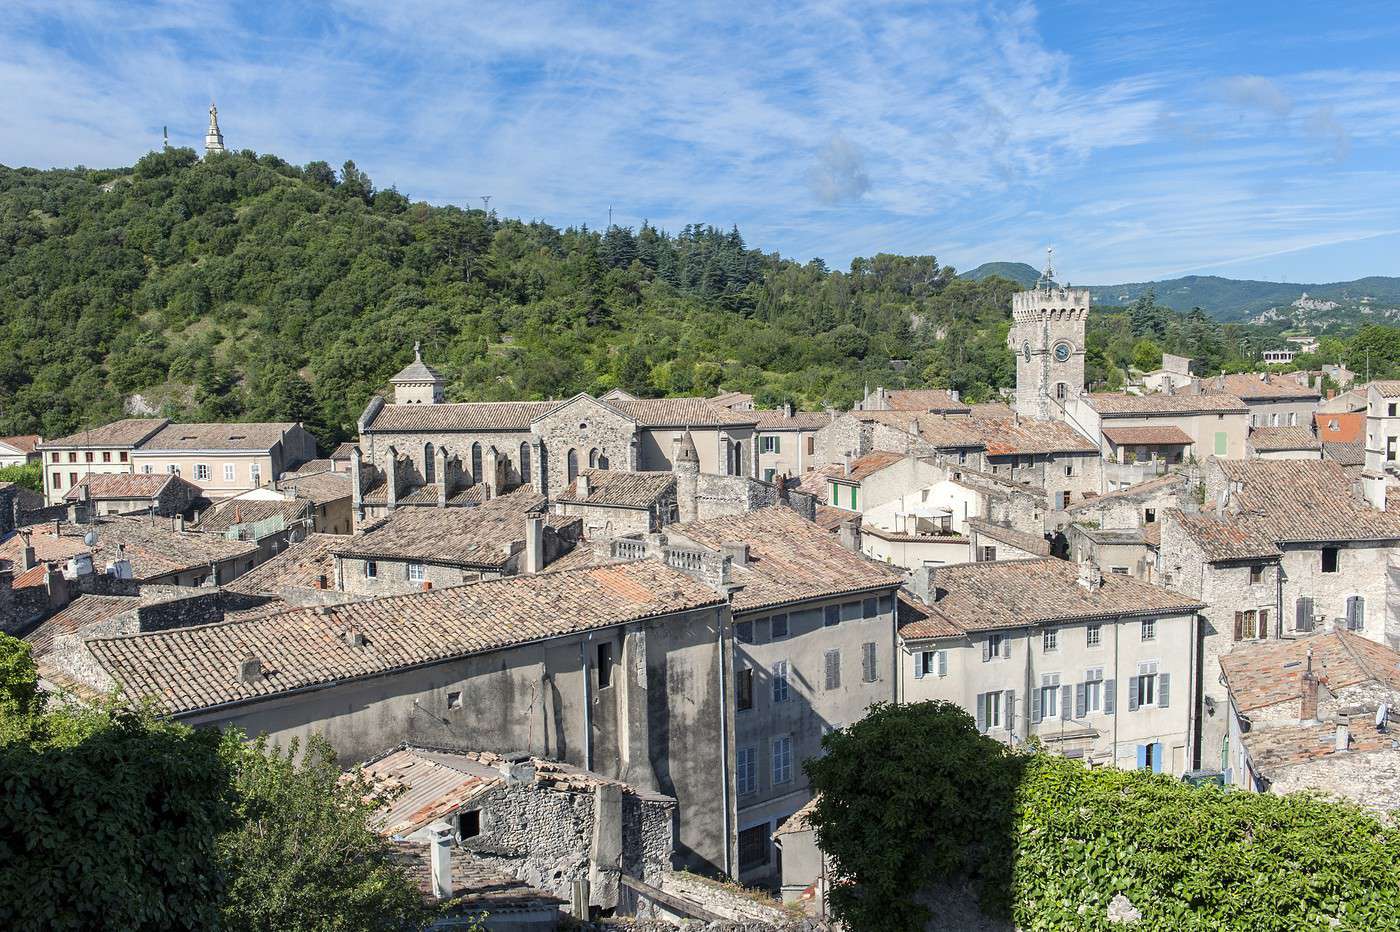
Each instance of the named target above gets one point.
<point>943,663</point>
<point>1164,682</point>
<point>1010,700</point>
<point>1035,706</point>
<point>986,651</point>
<point>981,711</point>
<point>1006,647</point>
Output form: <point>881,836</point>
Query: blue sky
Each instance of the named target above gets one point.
<point>1141,140</point>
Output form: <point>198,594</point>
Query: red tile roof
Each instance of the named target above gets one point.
<point>474,415</point>
<point>1303,501</point>
<point>1278,439</point>
<point>1223,539</point>
<point>299,566</point>
<point>869,465</point>
<point>799,420</point>
<point>24,443</point>
<point>124,433</point>
<point>1258,386</point>
<point>682,412</point>
<point>125,485</point>
<point>1350,428</point>
<point>1111,404</point>
<point>919,621</point>
<point>618,489</point>
<point>923,399</point>
<point>1147,436</point>
<point>255,437</point>
<point>1268,673</point>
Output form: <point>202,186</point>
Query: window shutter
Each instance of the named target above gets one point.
<point>919,659</point>
<point>1303,620</point>
<point>1132,693</point>
<point>1142,757</point>
<point>1164,685</point>
<point>777,444</point>
<point>1110,697</point>
<point>1081,700</point>
<point>1239,626</point>
<point>986,651</point>
<point>1263,623</point>
<point>943,663</point>
<point>1006,647</point>
<point>1064,702</point>
<point>1035,706</point>
<point>1010,709</point>
<point>1356,613</point>
<point>1157,757</point>
<point>981,711</point>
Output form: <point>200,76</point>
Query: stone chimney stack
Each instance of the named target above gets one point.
<point>923,583</point>
<point>849,535</point>
<point>357,488</point>
<point>441,857</point>
<point>583,485</point>
<point>534,543</point>
<point>737,552</point>
<point>1343,740</point>
<point>1308,713</point>
<point>1090,576</point>
<point>391,478</point>
<point>249,669</point>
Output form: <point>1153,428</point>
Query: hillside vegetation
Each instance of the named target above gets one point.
<point>243,287</point>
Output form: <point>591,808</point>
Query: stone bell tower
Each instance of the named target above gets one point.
<point>1047,336</point>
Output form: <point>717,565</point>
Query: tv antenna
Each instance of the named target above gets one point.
<point>486,203</point>
<point>609,216</point>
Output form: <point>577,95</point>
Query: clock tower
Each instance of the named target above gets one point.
<point>1047,336</point>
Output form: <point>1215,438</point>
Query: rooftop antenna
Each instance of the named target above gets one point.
<point>1047,278</point>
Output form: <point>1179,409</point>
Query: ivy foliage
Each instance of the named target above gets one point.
<point>912,798</point>
<point>112,817</point>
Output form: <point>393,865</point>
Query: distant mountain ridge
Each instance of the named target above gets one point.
<point>1321,306</point>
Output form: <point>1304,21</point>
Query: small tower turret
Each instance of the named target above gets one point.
<point>418,383</point>
<point>687,472</point>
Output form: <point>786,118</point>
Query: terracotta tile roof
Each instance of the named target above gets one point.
<point>1346,454</point>
<point>1017,593</point>
<point>318,487</point>
<point>832,518</point>
<point>1120,403</point>
<point>769,421</point>
<point>342,452</point>
<point>1267,673</point>
<point>1258,386</point>
<point>621,489</point>
<point>473,415</point>
<point>1148,489</point>
<point>923,399</point>
<point>995,409</point>
<point>1340,427</point>
<point>732,398</point>
<point>82,611</point>
<point>124,433</point>
<point>790,558</point>
<point>1388,388</point>
<point>1146,436</point>
<point>36,575</point>
<point>154,549</point>
<point>934,429</point>
<point>1152,534</point>
<point>24,443</point>
<point>193,668</point>
<point>682,412</point>
<point>1280,745</point>
<point>299,566</point>
<point>1021,540</point>
<point>252,437</point>
<point>477,887</point>
<point>476,537</point>
<point>799,820</point>
<point>241,511</point>
<point>1224,539</point>
<point>1010,437</point>
<point>1266,439</point>
<point>869,465</point>
<point>311,467</point>
<point>817,481</point>
<point>1304,501</point>
<point>918,620</point>
<point>124,485</point>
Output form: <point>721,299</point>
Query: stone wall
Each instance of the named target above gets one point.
<point>584,426</point>
<point>845,435</point>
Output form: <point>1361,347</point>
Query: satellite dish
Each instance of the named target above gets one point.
<point>90,538</point>
<point>1382,715</point>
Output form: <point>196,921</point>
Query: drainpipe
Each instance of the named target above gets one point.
<point>1117,709</point>
<point>724,744</point>
<point>587,701</point>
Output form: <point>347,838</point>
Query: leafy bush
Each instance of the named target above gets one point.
<point>912,797</point>
<point>29,476</point>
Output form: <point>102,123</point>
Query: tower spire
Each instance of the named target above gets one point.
<point>213,140</point>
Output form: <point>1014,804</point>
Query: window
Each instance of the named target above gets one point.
<point>429,463</point>
<point>201,472</point>
<point>1293,419</point>
<point>87,457</point>
<point>1391,410</point>
<point>1303,620</point>
<point>753,847</point>
<point>146,468</point>
<point>1146,689</point>
<point>782,760</point>
<point>886,604</point>
<point>1093,692</point>
<point>1356,613</point>
<point>1390,449</point>
<point>1149,688</point>
<point>746,771</point>
<point>869,608</point>
<point>743,689</point>
<point>54,456</point>
<point>1256,574</point>
<point>524,462</point>
<point>1050,640</point>
<point>571,464</point>
<point>72,479</point>
<point>931,663</point>
<point>779,627</point>
<point>1149,516</point>
<point>986,554</point>
<point>1149,629</point>
<point>1149,757</point>
<point>1251,624</point>
<point>780,682</point>
<point>743,632</point>
<point>122,456</point>
<point>1120,570</point>
<point>1069,469</point>
<point>768,473</point>
<point>593,458</point>
<point>1060,390</point>
<point>454,699</point>
<point>106,456</point>
<point>605,664</point>
<point>371,569</point>
<point>988,711</point>
<point>73,457</point>
<point>255,474</point>
<point>469,823</point>
<point>172,469</point>
<point>416,572</point>
<point>832,664</point>
<point>1045,701</point>
<point>995,645</point>
<point>868,661</point>
<point>831,615</point>
<point>811,446</point>
<point>1330,556</point>
<point>770,444</point>
<point>58,480</point>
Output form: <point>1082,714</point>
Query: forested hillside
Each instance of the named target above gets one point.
<point>242,287</point>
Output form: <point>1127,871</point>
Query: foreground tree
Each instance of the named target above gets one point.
<point>913,800</point>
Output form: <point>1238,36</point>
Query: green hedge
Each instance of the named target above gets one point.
<point>912,797</point>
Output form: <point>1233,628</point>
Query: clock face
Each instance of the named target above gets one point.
<point>1061,352</point>
<point>1026,350</point>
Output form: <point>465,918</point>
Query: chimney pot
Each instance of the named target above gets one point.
<point>534,543</point>
<point>1343,732</point>
<point>441,857</point>
<point>849,535</point>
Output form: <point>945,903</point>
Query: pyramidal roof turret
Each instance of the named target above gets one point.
<point>418,370</point>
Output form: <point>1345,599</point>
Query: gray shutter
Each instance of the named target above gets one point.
<point>1081,700</point>
<point>1035,706</point>
<point>1010,700</point>
<point>986,651</point>
<point>1304,621</point>
<point>1164,685</point>
<point>1110,697</point>
<point>1064,702</point>
<point>943,663</point>
<point>1132,693</point>
<point>919,664</point>
<point>1006,647</point>
<point>981,711</point>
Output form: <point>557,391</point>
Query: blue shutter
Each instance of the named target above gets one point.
<point>1142,757</point>
<point>1164,684</point>
<point>1132,693</point>
<point>1157,757</point>
<point>1110,697</point>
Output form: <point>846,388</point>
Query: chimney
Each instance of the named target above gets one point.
<point>427,585</point>
<point>1308,714</point>
<point>354,637</point>
<point>847,463</point>
<point>180,520</point>
<point>1343,733</point>
<point>582,485</point>
<point>249,669</point>
<point>954,394</point>
<point>31,560</point>
<point>1090,576</point>
<point>534,543</point>
<point>737,552</point>
<point>923,583</point>
<point>849,535</point>
<point>787,409</point>
<point>321,581</point>
<point>440,853</point>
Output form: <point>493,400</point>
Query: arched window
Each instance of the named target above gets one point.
<point>1061,390</point>
<point>429,463</point>
<point>593,458</point>
<point>573,465</point>
<point>525,463</point>
<point>476,462</point>
<point>738,469</point>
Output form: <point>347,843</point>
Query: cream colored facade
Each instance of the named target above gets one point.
<point>220,473</point>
